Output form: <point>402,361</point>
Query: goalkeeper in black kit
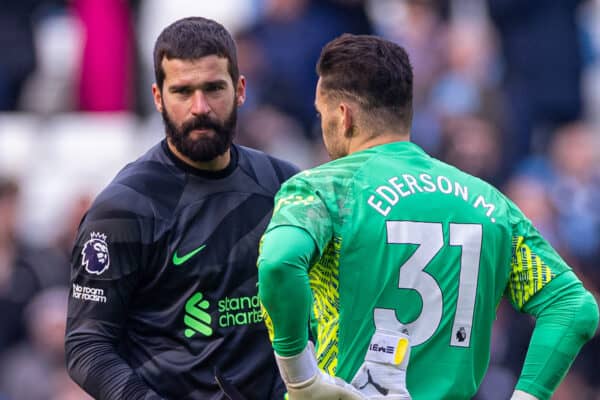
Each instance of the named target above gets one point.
<point>163,301</point>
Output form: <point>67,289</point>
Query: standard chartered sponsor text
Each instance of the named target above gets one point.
<point>87,293</point>
<point>239,311</point>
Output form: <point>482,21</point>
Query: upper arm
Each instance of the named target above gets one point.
<point>105,268</point>
<point>534,263</point>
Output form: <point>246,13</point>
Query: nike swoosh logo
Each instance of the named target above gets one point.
<point>180,260</point>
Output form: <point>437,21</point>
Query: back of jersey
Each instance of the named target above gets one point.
<point>421,247</point>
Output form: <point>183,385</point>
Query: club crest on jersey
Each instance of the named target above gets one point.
<point>96,258</point>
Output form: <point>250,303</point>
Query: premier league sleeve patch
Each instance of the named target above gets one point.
<point>95,256</point>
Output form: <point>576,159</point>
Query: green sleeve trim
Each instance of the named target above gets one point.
<point>567,317</point>
<point>284,287</point>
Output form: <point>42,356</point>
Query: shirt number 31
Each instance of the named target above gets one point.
<point>430,239</point>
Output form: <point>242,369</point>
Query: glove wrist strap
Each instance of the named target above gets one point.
<point>387,348</point>
<point>298,368</point>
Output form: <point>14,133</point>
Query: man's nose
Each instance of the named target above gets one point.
<point>200,105</point>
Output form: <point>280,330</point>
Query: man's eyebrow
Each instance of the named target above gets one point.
<point>203,85</point>
<point>177,88</point>
<point>219,82</point>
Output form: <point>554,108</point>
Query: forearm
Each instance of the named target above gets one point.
<point>284,287</point>
<point>567,317</point>
<point>94,364</point>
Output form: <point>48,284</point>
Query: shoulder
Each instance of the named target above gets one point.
<point>333,175</point>
<point>147,187</point>
<point>265,168</point>
<point>331,180</point>
<point>482,194</point>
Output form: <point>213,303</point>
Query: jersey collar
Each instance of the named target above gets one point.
<point>225,172</point>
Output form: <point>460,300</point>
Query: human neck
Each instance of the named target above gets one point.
<point>357,144</point>
<point>216,164</point>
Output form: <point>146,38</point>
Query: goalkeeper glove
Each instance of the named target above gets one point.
<point>304,379</point>
<point>382,376</point>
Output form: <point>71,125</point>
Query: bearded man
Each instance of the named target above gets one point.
<point>174,312</point>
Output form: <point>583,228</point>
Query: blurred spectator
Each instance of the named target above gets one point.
<point>66,389</point>
<point>575,387</point>
<point>66,237</point>
<point>472,145</point>
<point>253,65</point>
<point>531,195</point>
<point>18,53</point>
<point>276,133</point>
<point>419,27</point>
<point>106,70</point>
<point>24,269</point>
<point>543,67</point>
<point>467,86</point>
<point>50,89</point>
<point>35,369</point>
<point>589,18</point>
<point>575,192</point>
<point>289,37</point>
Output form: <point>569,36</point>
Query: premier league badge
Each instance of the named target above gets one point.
<point>95,259</point>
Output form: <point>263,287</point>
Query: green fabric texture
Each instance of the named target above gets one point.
<point>567,317</point>
<point>284,289</point>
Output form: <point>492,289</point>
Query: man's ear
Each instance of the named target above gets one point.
<point>347,119</point>
<point>240,91</point>
<point>157,96</point>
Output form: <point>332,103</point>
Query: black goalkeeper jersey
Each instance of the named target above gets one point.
<point>163,300</point>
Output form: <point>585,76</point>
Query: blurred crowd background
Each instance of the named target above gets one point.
<point>508,90</point>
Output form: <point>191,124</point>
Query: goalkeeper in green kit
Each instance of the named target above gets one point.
<point>401,260</point>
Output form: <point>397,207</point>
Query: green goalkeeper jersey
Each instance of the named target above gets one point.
<point>407,242</point>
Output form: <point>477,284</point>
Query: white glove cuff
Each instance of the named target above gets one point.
<point>388,348</point>
<point>298,368</point>
<point>520,395</point>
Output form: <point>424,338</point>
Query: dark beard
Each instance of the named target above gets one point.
<point>205,148</point>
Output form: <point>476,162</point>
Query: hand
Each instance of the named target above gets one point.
<point>321,387</point>
<point>382,376</point>
<point>304,379</point>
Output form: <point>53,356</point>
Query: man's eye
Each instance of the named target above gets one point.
<point>214,88</point>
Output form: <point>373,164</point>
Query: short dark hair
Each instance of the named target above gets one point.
<point>192,38</point>
<point>370,70</point>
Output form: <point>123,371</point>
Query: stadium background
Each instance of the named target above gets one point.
<point>491,76</point>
